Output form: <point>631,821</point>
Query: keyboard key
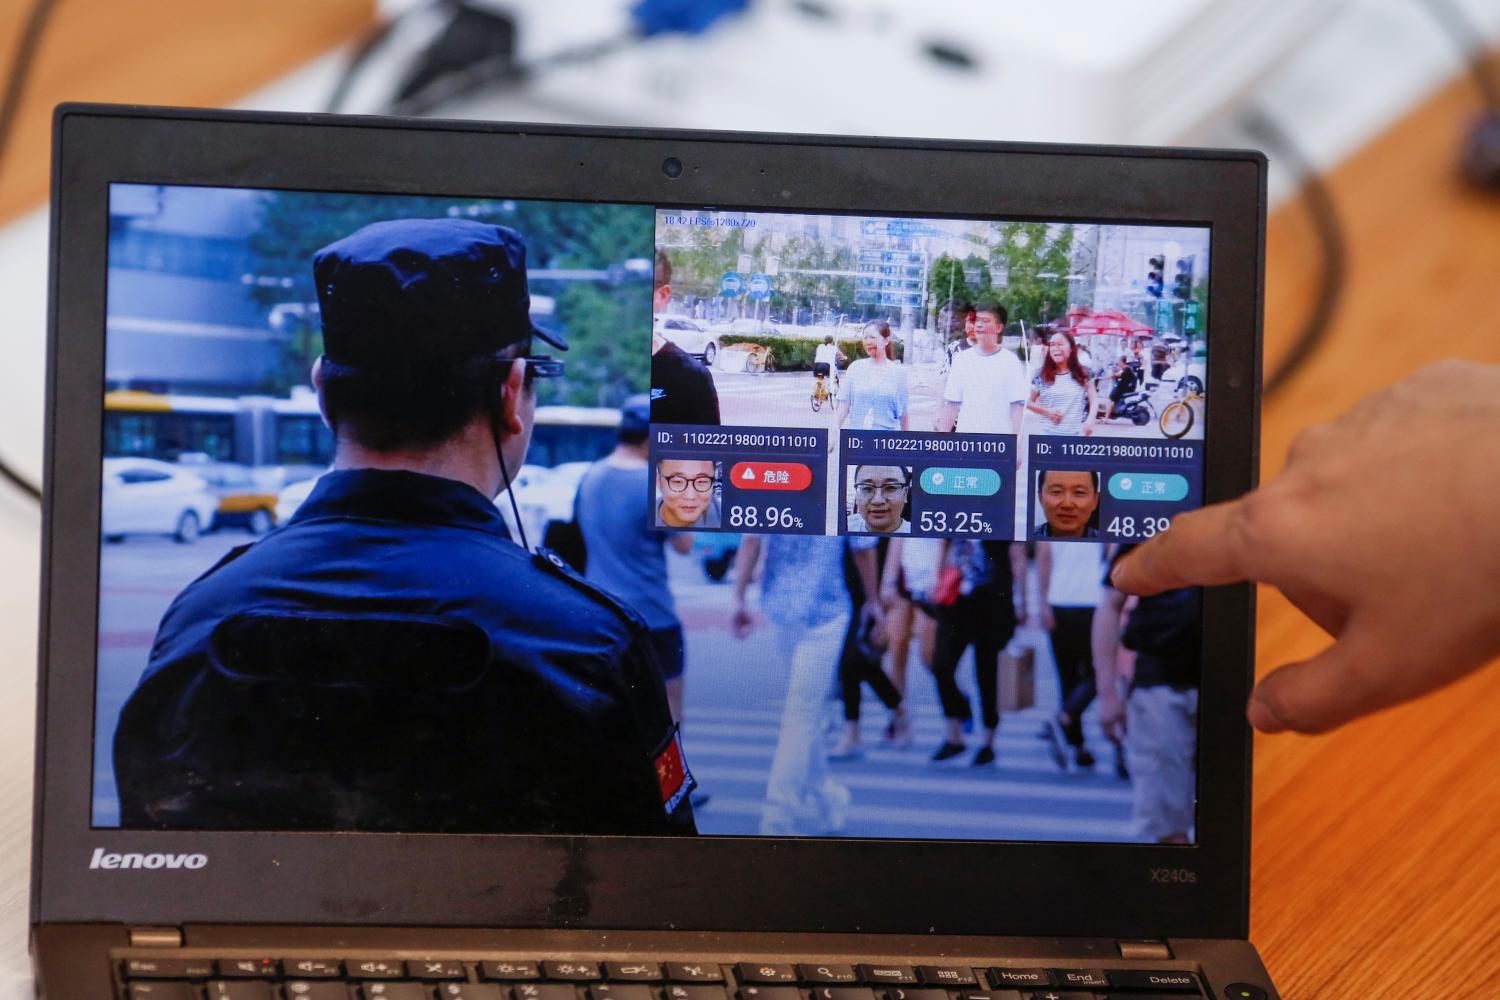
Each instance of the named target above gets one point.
<point>765,972</point>
<point>162,991</point>
<point>1020,977</point>
<point>694,972</point>
<point>621,991</point>
<point>1079,979</point>
<point>239,990</point>
<point>697,993</point>
<point>302,989</point>
<point>470,991</point>
<point>313,968</point>
<point>770,993</point>
<point>396,991</point>
<point>947,975</point>
<point>1059,995</point>
<point>1000,995</point>
<point>510,969</point>
<point>239,968</point>
<point>1162,982</point>
<point>432,968</point>
<point>374,968</point>
<point>828,973</point>
<point>577,972</point>
<point>544,991</point>
<point>646,972</point>
<point>888,975</point>
<point>916,994</point>
<point>843,993</point>
<point>169,968</point>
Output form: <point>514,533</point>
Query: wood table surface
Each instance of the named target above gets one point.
<point>1376,848</point>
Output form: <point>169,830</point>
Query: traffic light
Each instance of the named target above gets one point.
<point>1182,284</point>
<point>1158,265</point>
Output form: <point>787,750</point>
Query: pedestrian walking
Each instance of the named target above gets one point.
<point>975,608</point>
<point>804,597</point>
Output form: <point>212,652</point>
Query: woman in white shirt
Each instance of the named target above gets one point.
<point>874,394</point>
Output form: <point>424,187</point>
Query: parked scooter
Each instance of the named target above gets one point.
<point>1130,399</point>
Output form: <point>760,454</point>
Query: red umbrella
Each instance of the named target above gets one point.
<point>1113,324</point>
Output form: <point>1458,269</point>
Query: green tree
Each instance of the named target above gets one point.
<point>607,322</point>
<point>946,280</point>
<point>1037,261</point>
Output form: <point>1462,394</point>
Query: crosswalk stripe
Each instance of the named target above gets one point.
<point>1010,827</point>
<point>1037,762</point>
<point>936,783</point>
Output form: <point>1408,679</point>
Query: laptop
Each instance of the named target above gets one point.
<point>850,430</point>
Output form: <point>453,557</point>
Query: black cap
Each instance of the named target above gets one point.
<point>635,414</point>
<point>417,294</point>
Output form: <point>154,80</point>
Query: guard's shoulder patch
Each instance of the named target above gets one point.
<point>672,775</point>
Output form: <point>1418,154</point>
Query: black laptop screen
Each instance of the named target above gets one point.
<point>850,486</point>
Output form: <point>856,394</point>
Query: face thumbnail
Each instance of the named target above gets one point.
<point>1069,500</point>
<point>685,490</point>
<point>880,496</point>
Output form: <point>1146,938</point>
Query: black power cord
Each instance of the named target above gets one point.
<point>1330,233</point>
<point>1480,159</point>
<point>20,69</point>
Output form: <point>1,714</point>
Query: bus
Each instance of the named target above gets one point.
<point>257,432</point>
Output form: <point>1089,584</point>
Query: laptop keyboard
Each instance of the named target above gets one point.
<point>565,979</point>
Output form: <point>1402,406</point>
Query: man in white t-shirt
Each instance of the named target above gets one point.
<point>987,386</point>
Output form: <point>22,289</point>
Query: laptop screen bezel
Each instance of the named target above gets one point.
<point>712,883</point>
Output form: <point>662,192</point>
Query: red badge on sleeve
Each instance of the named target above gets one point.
<point>672,774</point>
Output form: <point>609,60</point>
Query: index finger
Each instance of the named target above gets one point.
<point>1203,547</point>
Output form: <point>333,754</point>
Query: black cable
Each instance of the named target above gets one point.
<point>366,49</point>
<point>15,84</point>
<point>501,74</point>
<point>497,416</point>
<point>1330,232</point>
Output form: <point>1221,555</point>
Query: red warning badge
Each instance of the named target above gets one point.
<point>672,773</point>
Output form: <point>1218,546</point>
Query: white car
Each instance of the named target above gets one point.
<point>688,334</point>
<point>145,497</point>
<point>291,497</point>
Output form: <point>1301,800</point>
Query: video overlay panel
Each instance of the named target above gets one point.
<point>927,377</point>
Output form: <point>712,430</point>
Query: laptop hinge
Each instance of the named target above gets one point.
<point>1144,949</point>
<point>155,937</point>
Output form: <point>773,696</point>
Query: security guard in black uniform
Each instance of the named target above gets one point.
<point>390,659</point>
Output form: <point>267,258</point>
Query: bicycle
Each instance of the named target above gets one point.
<point>760,361</point>
<point>823,393</point>
<point>1177,417</point>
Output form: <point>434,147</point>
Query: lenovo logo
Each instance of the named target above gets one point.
<point>103,859</point>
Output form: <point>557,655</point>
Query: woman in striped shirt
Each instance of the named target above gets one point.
<point>1063,392</point>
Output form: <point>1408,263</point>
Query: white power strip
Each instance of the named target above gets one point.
<point>1120,71</point>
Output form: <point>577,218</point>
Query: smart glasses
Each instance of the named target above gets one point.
<point>887,491</point>
<point>700,484</point>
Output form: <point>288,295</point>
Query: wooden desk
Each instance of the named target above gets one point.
<point>197,53</point>
<point>1377,849</point>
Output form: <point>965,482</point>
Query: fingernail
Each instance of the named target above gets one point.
<point>1262,717</point>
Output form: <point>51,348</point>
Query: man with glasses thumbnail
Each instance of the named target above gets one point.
<point>880,499</point>
<point>390,659</point>
<point>687,494</point>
